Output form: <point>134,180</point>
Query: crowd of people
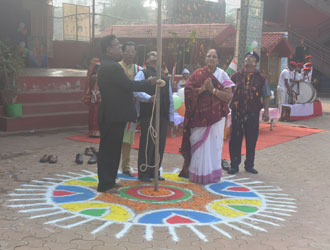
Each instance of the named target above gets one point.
<point>289,80</point>
<point>122,93</point>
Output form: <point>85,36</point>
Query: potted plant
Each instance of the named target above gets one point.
<point>11,62</point>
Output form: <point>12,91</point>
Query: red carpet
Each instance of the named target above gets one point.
<point>267,138</point>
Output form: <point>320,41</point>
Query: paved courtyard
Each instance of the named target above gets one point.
<point>293,181</point>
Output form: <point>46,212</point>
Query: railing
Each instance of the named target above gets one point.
<point>316,49</point>
<point>321,54</point>
<point>322,5</point>
<point>324,30</point>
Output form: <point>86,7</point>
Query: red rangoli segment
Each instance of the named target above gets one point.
<point>62,193</point>
<point>151,192</point>
<point>177,219</point>
<point>238,189</point>
<point>134,193</point>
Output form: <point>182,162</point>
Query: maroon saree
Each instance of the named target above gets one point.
<point>202,110</point>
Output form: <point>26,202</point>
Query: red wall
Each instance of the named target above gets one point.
<point>69,54</point>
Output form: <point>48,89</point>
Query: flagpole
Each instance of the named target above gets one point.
<point>159,72</point>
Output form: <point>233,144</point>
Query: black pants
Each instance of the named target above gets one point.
<point>243,124</point>
<point>109,154</point>
<point>144,123</point>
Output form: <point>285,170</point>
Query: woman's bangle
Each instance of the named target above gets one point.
<point>214,90</point>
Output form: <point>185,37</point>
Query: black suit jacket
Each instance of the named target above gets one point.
<point>116,90</point>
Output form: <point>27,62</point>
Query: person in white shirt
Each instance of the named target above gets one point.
<point>295,76</point>
<point>284,85</point>
<point>310,72</point>
<point>308,64</point>
<point>182,82</point>
<point>306,76</point>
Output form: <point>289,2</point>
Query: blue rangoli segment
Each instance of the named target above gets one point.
<point>220,188</point>
<point>160,217</point>
<point>126,177</point>
<point>81,194</point>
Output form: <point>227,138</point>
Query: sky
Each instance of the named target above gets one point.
<point>231,4</point>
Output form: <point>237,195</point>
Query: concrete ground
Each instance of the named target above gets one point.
<point>300,168</point>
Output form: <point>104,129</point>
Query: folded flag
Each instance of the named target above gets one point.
<point>232,68</point>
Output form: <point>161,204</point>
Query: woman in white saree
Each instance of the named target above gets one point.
<point>207,94</point>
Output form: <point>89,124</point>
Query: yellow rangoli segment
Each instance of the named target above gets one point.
<point>240,202</point>
<point>116,213</point>
<point>225,211</point>
<point>80,183</point>
<point>175,177</point>
<point>221,208</point>
<point>76,207</point>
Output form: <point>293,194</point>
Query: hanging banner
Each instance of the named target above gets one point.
<point>76,22</point>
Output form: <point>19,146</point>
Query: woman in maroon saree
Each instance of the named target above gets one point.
<point>207,94</point>
<point>92,97</point>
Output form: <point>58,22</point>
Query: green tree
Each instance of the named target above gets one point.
<point>231,17</point>
<point>123,12</point>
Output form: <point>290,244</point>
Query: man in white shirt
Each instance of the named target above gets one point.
<point>284,83</point>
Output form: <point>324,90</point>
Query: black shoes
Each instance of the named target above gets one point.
<point>92,160</point>
<point>160,178</point>
<point>79,159</point>
<point>52,159</point>
<point>232,170</point>
<point>235,170</point>
<point>88,151</point>
<point>44,159</point>
<point>49,158</point>
<point>251,170</point>
<point>92,152</point>
<point>225,165</point>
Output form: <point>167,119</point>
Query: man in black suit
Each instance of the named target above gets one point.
<point>115,110</point>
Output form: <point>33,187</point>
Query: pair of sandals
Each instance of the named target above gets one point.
<point>49,158</point>
<point>92,152</point>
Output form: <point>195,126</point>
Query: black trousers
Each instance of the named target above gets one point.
<point>243,124</point>
<point>109,154</point>
<point>144,123</point>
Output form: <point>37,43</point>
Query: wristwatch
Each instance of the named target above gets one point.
<point>213,92</point>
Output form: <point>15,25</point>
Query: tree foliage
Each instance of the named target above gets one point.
<point>123,12</point>
<point>231,17</point>
<point>11,62</point>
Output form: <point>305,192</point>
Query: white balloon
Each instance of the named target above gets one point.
<point>181,93</point>
<point>254,44</point>
<point>21,44</point>
<point>21,25</point>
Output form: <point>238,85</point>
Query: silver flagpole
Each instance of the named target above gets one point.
<point>159,72</point>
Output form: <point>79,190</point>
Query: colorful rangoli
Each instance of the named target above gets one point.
<point>236,203</point>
